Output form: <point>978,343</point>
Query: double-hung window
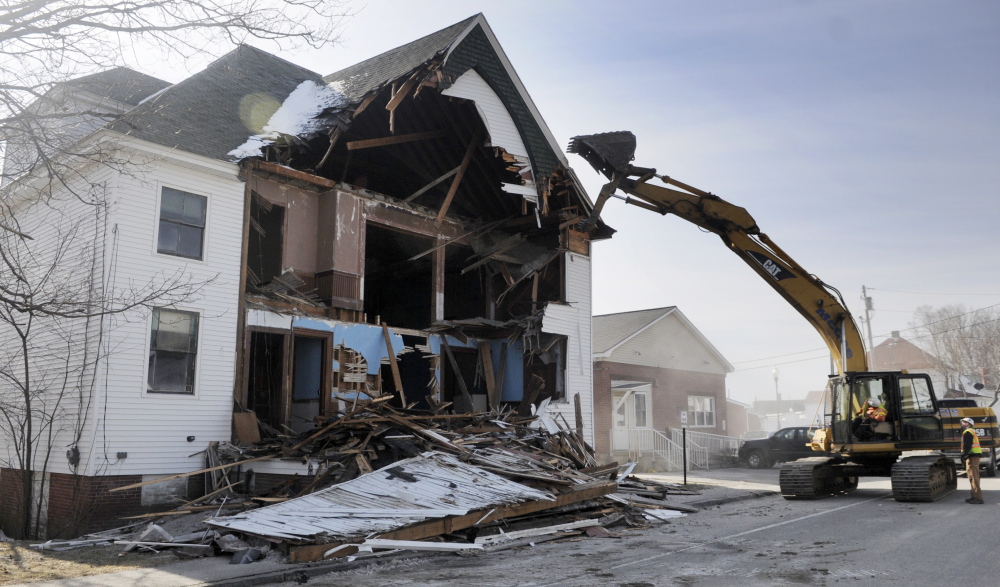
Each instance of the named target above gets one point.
<point>701,411</point>
<point>182,224</point>
<point>173,350</point>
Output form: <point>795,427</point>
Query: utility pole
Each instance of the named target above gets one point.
<point>777,397</point>
<point>869,307</point>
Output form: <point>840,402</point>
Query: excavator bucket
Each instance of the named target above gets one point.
<point>606,152</point>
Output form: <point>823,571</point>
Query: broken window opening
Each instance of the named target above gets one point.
<point>464,295</point>
<point>468,365</point>
<point>398,291</point>
<point>266,240</point>
<point>265,377</point>
<point>416,371</point>
<point>549,363</point>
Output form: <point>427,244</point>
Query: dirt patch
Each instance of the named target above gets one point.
<point>21,564</point>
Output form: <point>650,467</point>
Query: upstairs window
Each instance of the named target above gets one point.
<point>173,348</point>
<point>182,224</point>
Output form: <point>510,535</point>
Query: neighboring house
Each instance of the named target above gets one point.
<point>740,418</point>
<point>654,370</point>
<point>416,201</point>
<point>898,354</point>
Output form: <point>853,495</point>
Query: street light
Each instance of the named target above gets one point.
<point>777,397</point>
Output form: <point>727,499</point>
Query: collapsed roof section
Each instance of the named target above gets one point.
<point>448,114</point>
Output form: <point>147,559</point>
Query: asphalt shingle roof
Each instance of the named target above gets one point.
<point>207,113</point>
<point>358,80</point>
<point>611,329</point>
<point>121,84</point>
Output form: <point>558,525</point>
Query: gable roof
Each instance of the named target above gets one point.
<point>896,353</point>
<point>469,44</point>
<point>120,84</point>
<point>207,113</point>
<point>611,331</point>
<point>360,79</point>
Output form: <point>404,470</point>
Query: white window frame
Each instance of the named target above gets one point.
<point>195,388</point>
<point>693,420</point>
<point>206,236</point>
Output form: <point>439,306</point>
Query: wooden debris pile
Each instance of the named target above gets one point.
<point>373,435</point>
<point>385,479</point>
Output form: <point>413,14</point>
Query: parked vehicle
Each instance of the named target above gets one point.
<point>787,444</point>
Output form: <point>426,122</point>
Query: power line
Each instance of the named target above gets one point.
<point>876,336</point>
<point>927,293</point>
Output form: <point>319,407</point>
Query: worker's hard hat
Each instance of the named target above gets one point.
<point>873,402</point>
<point>968,421</point>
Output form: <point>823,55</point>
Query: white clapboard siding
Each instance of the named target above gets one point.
<point>60,374</point>
<point>573,320</point>
<point>153,428</point>
<point>503,132</point>
<point>673,344</point>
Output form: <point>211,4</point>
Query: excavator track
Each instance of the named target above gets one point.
<point>813,478</point>
<point>927,478</point>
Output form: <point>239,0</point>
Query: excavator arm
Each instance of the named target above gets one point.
<point>819,303</point>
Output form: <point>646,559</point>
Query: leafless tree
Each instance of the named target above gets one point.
<point>57,305</point>
<point>45,43</point>
<point>966,342</point>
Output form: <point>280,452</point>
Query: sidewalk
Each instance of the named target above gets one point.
<point>716,487</point>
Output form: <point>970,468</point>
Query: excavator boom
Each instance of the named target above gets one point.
<point>819,303</point>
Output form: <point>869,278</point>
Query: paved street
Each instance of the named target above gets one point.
<point>865,538</point>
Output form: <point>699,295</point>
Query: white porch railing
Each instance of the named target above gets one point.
<point>715,444</point>
<point>646,441</point>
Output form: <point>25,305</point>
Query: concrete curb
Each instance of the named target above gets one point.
<point>724,500</point>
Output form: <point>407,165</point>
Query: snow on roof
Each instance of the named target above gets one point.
<point>296,117</point>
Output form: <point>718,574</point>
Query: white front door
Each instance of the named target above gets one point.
<point>631,418</point>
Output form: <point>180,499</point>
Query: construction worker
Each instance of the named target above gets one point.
<point>864,422</point>
<point>971,453</point>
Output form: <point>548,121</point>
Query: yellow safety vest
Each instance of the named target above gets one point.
<point>976,449</point>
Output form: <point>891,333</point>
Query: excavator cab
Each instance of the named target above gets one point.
<point>912,411</point>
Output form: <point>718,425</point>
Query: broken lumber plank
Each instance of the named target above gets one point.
<point>583,492</point>
<point>182,475</point>
<point>492,397</point>
<point>469,152</point>
<point>458,372</point>
<point>339,421</point>
<point>397,380</point>
<point>401,93</point>
<point>163,544</point>
<point>381,543</point>
<point>505,536</point>
<point>429,186</point>
<point>645,502</point>
<point>394,140</point>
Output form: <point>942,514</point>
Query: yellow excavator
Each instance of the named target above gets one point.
<point>916,421</point>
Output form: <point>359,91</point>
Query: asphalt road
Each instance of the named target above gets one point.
<point>865,538</point>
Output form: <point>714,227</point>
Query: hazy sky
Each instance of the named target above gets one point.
<point>861,135</point>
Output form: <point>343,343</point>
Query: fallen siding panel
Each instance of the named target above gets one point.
<point>432,485</point>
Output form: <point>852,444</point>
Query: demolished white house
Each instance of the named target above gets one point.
<point>296,227</point>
